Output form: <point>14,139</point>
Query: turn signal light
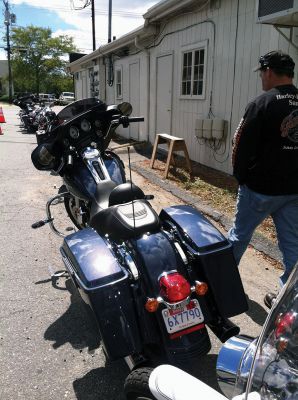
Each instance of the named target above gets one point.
<point>174,287</point>
<point>282,344</point>
<point>201,288</point>
<point>151,305</point>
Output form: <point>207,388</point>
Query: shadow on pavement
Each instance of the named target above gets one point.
<point>75,326</point>
<point>256,312</point>
<point>105,383</point>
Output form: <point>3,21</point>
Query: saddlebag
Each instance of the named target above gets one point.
<point>213,257</point>
<point>104,285</point>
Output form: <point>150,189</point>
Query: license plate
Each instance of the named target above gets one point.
<point>183,319</point>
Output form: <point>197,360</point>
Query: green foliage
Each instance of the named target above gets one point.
<point>4,98</point>
<point>39,60</point>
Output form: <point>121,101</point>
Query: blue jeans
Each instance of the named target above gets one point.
<point>251,209</point>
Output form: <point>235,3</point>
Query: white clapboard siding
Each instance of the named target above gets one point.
<point>234,43</point>
<point>239,42</point>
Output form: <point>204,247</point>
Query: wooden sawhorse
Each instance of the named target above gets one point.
<point>174,144</point>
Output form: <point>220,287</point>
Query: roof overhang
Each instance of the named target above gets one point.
<point>169,8</point>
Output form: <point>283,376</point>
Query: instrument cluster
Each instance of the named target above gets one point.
<point>80,131</point>
<point>74,130</point>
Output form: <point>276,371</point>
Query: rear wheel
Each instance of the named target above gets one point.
<point>136,385</point>
<point>77,211</point>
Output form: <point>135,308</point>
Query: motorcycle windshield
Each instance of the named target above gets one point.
<point>78,107</point>
<point>274,374</point>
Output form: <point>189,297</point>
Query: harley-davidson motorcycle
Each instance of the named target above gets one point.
<point>35,118</point>
<point>265,368</point>
<point>152,281</point>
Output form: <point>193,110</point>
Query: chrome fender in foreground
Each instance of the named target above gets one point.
<point>234,363</point>
<point>161,385</point>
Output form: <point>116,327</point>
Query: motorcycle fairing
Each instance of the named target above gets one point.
<point>214,260</point>
<point>106,287</point>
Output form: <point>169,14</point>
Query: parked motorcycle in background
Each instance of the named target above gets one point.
<point>152,281</point>
<point>265,368</point>
<point>27,106</point>
<point>35,118</point>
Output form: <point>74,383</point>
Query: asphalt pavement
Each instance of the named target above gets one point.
<point>49,349</point>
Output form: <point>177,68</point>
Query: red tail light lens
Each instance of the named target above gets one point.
<point>284,323</point>
<point>174,287</point>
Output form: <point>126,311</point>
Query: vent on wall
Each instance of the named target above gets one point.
<point>278,12</point>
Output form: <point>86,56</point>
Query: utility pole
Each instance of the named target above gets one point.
<point>8,18</point>
<point>93,24</point>
<point>110,22</point>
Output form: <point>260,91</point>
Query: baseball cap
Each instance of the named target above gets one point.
<point>276,60</point>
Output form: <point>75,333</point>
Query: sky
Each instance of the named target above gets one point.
<point>63,19</point>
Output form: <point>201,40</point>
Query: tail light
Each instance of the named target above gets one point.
<point>284,323</point>
<point>174,287</point>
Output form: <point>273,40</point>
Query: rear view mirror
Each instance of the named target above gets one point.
<point>125,108</point>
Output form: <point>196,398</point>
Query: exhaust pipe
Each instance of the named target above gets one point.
<point>233,364</point>
<point>224,329</point>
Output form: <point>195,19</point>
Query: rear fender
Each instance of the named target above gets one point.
<point>156,254</point>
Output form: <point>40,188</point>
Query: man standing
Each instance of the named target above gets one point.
<point>265,162</point>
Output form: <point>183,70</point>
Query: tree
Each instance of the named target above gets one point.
<point>38,60</point>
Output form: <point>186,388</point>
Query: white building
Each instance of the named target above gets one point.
<point>192,60</point>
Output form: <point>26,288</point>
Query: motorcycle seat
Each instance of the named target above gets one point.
<point>101,197</point>
<point>126,221</point>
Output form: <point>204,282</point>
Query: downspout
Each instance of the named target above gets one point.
<point>142,48</point>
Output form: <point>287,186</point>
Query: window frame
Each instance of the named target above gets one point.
<point>192,49</point>
<point>118,69</point>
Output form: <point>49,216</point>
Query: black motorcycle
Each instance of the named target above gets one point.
<point>27,107</point>
<point>152,281</point>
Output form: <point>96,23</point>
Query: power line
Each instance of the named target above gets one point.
<point>121,13</point>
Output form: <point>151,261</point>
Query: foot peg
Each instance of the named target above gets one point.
<point>41,223</point>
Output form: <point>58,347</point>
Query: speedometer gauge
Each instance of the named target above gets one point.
<point>85,125</point>
<point>74,132</point>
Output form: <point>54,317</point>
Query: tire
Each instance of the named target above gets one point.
<point>136,386</point>
<point>69,203</point>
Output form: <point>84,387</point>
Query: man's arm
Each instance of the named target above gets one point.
<point>245,143</point>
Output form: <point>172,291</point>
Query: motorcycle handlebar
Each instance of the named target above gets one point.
<point>136,119</point>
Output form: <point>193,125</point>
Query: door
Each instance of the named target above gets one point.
<point>134,97</point>
<point>164,74</point>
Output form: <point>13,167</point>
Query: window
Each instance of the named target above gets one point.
<point>193,73</point>
<point>118,83</point>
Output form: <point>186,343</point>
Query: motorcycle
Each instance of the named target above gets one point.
<point>153,282</point>
<point>27,105</point>
<point>265,368</point>
<point>45,121</point>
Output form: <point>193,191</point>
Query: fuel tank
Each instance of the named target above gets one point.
<point>82,184</point>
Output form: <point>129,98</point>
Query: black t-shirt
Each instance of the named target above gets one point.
<point>265,152</point>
